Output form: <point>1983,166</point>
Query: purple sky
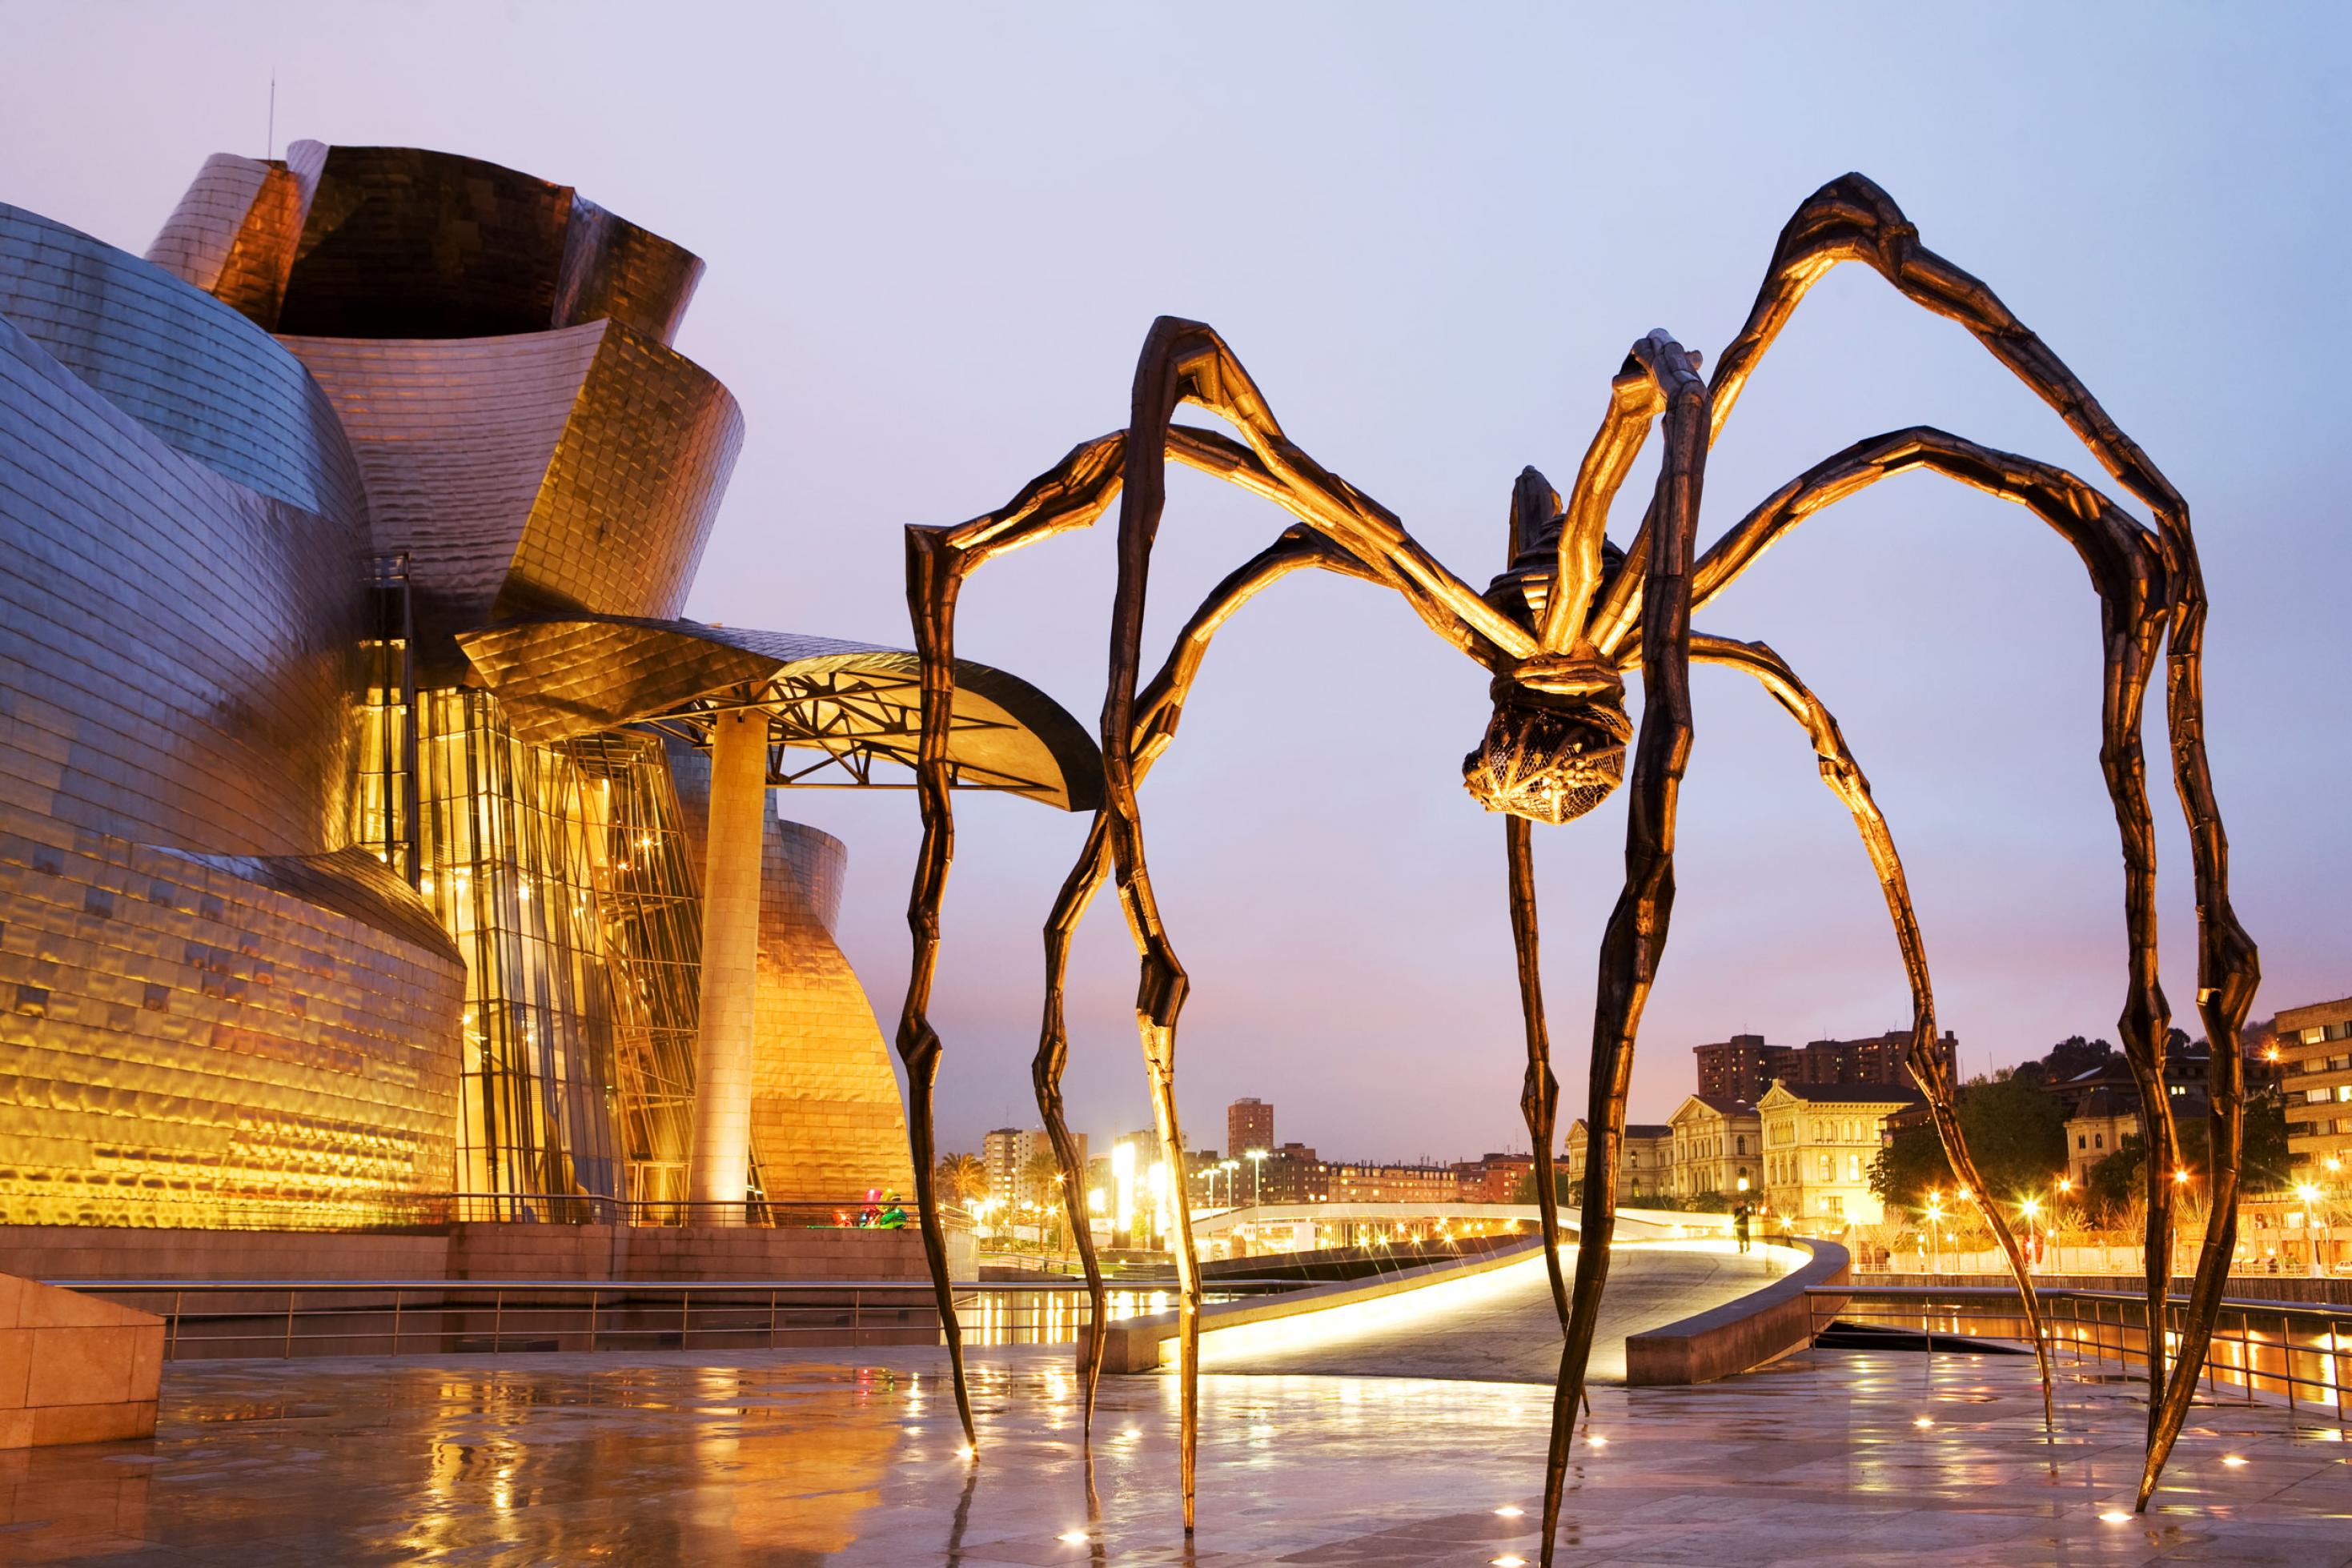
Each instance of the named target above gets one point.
<point>936,238</point>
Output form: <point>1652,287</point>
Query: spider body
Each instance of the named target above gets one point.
<point>1557,631</point>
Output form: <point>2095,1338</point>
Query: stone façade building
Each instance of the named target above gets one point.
<point>1647,1154</point>
<point>1715,1143</point>
<point>360,840</point>
<point>1819,1146</point>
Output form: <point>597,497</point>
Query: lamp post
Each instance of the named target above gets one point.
<point>2030,1207</point>
<point>2309,1194</point>
<point>1935,1223</point>
<point>1256,1158</point>
<point>2066,1187</point>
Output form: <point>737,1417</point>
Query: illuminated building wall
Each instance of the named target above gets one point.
<point>213,1010</point>
<point>296,927</point>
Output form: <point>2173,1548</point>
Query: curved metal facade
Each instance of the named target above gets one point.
<point>826,1118</point>
<point>297,919</point>
<point>212,1011</point>
<point>209,383</point>
<point>400,242</point>
<point>578,469</point>
<point>176,651</point>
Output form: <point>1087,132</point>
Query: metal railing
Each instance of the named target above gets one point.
<point>279,1318</point>
<point>416,1212</point>
<point>2301,1353</point>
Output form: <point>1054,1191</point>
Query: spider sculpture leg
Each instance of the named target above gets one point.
<point>1070,496</point>
<point>1186,361</point>
<point>1852,219</point>
<point>2130,570</point>
<point>1358,536</point>
<point>1845,779</point>
<point>1636,934</point>
<point>1160,710</point>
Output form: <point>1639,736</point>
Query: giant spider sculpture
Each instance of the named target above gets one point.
<point>1558,630</point>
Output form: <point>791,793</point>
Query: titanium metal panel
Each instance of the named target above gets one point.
<point>578,469</point>
<point>177,654</point>
<point>405,243</point>
<point>233,233</point>
<point>209,383</point>
<point>216,1040</point>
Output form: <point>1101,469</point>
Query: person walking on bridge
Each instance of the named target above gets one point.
<point>1739,1226</point>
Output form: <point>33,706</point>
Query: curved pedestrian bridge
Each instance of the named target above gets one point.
<point>1498,1326</point>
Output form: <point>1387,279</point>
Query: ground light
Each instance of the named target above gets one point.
<point>2115,1516</point>
<point>1510,1511</point>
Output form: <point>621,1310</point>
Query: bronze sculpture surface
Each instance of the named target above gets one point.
<point>1558,630</point>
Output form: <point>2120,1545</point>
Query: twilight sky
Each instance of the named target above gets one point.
<point>937,235</point>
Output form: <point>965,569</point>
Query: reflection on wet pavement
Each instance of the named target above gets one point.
<point>799,1459</point>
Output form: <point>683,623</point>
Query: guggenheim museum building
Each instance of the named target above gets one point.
<point>373,826</point>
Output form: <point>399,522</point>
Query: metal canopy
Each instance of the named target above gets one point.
<point>841,706</point>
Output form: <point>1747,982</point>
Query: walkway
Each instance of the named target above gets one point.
<point>1501,1327</point>
<point>795,1460</point>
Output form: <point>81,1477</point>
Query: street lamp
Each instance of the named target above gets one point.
<point>1256,1158</point>
<point>1935,1223</point>
<point>2032,1206</point>
<point>2309,1194</point>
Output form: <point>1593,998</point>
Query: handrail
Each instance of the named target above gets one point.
<point>921,1287</point>
<point>2115,1328</point>
<point>283,1318</point>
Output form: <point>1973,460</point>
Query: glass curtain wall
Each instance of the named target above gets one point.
<point>567,877</point>
<point>652,933</point>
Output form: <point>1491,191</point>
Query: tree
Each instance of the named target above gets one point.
<point>961,1177</point>
<point>2015,1132</point>
<point>1524,1191</point>
<point>2074,1056</point>
<point>2265,1164</point>
<point>1909,1166</point>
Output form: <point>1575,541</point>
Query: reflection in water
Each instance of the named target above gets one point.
<point>1563,1433</point>
<point>963,1519</point>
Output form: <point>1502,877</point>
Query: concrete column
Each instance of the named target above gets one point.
<point>730,958</point>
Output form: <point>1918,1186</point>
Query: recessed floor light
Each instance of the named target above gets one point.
<point>2235,1461</point>
<point>1510,1560</point>
<point>2114,1516</point>
<point>1075,1537</point>
<point>1510,1511</point>
<point>1923,1422</point>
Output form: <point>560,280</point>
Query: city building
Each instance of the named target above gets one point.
<point>1492,1177</point>
<point>2314,1057</point>
<point>1647,1149</point>
<point>1291,1173</point>
<point>1715,1148</point>
<point>1366,1181</point>
<point>2100,1121</point>
<point>1014,1158</point>
<point>372,829</point>
<point>1819,1146</point>
<point>1249,1125</point>
<point>1742,1066</point>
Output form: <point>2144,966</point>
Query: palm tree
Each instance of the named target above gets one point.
<point>961,1177</point>
<point>1041,1178</point>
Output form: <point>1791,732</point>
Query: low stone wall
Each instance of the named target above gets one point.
<point>126,1252</point>
<point>74,1369</point>
<point>1760,1326</point>
<point>469,1252</point>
